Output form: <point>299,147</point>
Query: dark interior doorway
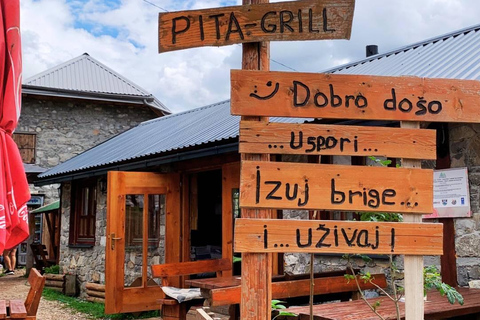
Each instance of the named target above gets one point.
<point>206,215</point>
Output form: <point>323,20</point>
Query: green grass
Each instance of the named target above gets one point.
<point>91,309</point>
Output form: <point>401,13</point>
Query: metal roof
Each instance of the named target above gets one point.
<point>47,208</point>
<point>455,55</point>
<point>173,133</point>
<point>86,77</point>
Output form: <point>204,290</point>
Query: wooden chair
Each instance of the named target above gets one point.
<point>25,310</point>
<point>40,255</point>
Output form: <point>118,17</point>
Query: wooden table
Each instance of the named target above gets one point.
<point>436,307</point>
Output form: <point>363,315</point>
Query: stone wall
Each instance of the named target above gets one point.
<point>65,128</point>
<point>88,264</point>
<point>465,152</point>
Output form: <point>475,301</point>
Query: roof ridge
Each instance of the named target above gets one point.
<point>86,56</point>
<point>404,48</point>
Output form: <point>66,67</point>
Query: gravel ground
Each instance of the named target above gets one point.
<point>16,287</point>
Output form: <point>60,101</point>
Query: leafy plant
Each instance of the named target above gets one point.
<point>55,269</point>
<point>278,306</point>
<point>433,280</point>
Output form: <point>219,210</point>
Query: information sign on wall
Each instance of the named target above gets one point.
<point>451,197</point>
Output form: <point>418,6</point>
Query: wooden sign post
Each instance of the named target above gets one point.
<point>333,96</point>
<point>256,267</point>
<point>256,21</point>
<point>258,94</point>
<point>316,236</point>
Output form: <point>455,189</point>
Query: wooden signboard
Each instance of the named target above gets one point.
<point>314,95</point>
<point>294,20</point>
<point>334,187</point>
<point>317,236</point>
<point>317,139</point>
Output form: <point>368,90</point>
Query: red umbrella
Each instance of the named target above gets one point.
<point>14,192</point>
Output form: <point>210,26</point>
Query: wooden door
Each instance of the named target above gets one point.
<point>143,228</point>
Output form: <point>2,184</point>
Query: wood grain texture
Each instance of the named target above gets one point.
<point>435,308</point>
<point>318,139</point>
<point>256,286</point>
<point>118,298</point>
<point>293,20</point>
<point>37,283</point>
<point>230,181</point>
<point>290,289</point>
<point>324,236</point>
<point>3,309</point>
<point>191,267</point>
<point>17,309</point>
<point>413,265</point>
<point>335,187</point>
<point>314,95</point>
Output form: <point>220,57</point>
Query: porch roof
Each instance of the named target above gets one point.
<point>195,133</point>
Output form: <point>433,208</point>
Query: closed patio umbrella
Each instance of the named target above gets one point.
<point>14,192</point>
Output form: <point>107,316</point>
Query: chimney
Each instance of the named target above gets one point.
<point>372,50</point>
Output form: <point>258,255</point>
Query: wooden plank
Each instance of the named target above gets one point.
<point>230,181</point>
<point>413,265</point>
<point>3,309</point>
<point>297,288</point>
<point>314,95</point>
<point>317,139</point>
<point>191,267</point>
<point>17,309</point>
<point>335,187</point>
<point>327,236</point>
<point>256,286</point>
<point>294,20</point>
<point>37,283</point>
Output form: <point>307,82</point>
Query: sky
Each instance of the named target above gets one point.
<point>123,34</point>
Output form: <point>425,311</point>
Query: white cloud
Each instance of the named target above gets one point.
<point>124,37</point>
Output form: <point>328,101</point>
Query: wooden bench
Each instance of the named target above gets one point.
<point>40,255</point>
<point>293,288</point>
<point>26,310</point>
<point>171,309</point>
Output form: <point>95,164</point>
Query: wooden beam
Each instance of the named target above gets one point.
<point>327,236</point>
<point>338,96</point>
<point>308,186</point>
<point>191,267</point>
<point>255,22</point>
<point>413,265</point>
<point>317,139</point>
<point>256,286</point>
<point>296,288</point>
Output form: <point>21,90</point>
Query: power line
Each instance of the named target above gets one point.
<point>272,60</point>
<point>153,4</point>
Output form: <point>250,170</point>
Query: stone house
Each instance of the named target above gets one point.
<point>69,109</point>
<point>193,158</point>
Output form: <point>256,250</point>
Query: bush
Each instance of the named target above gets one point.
<point>55,269</point>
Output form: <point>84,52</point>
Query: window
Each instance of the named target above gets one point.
<point>82,219</point>
<point>26,143</point>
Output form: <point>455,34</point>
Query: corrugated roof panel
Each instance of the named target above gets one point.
<point>175,132</point>
<point>85,73</point>
<point>88,75</point>
<point>455,56</point>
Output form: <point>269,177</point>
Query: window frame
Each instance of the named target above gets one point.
<point>78,207</point>
<point>16,136</point>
